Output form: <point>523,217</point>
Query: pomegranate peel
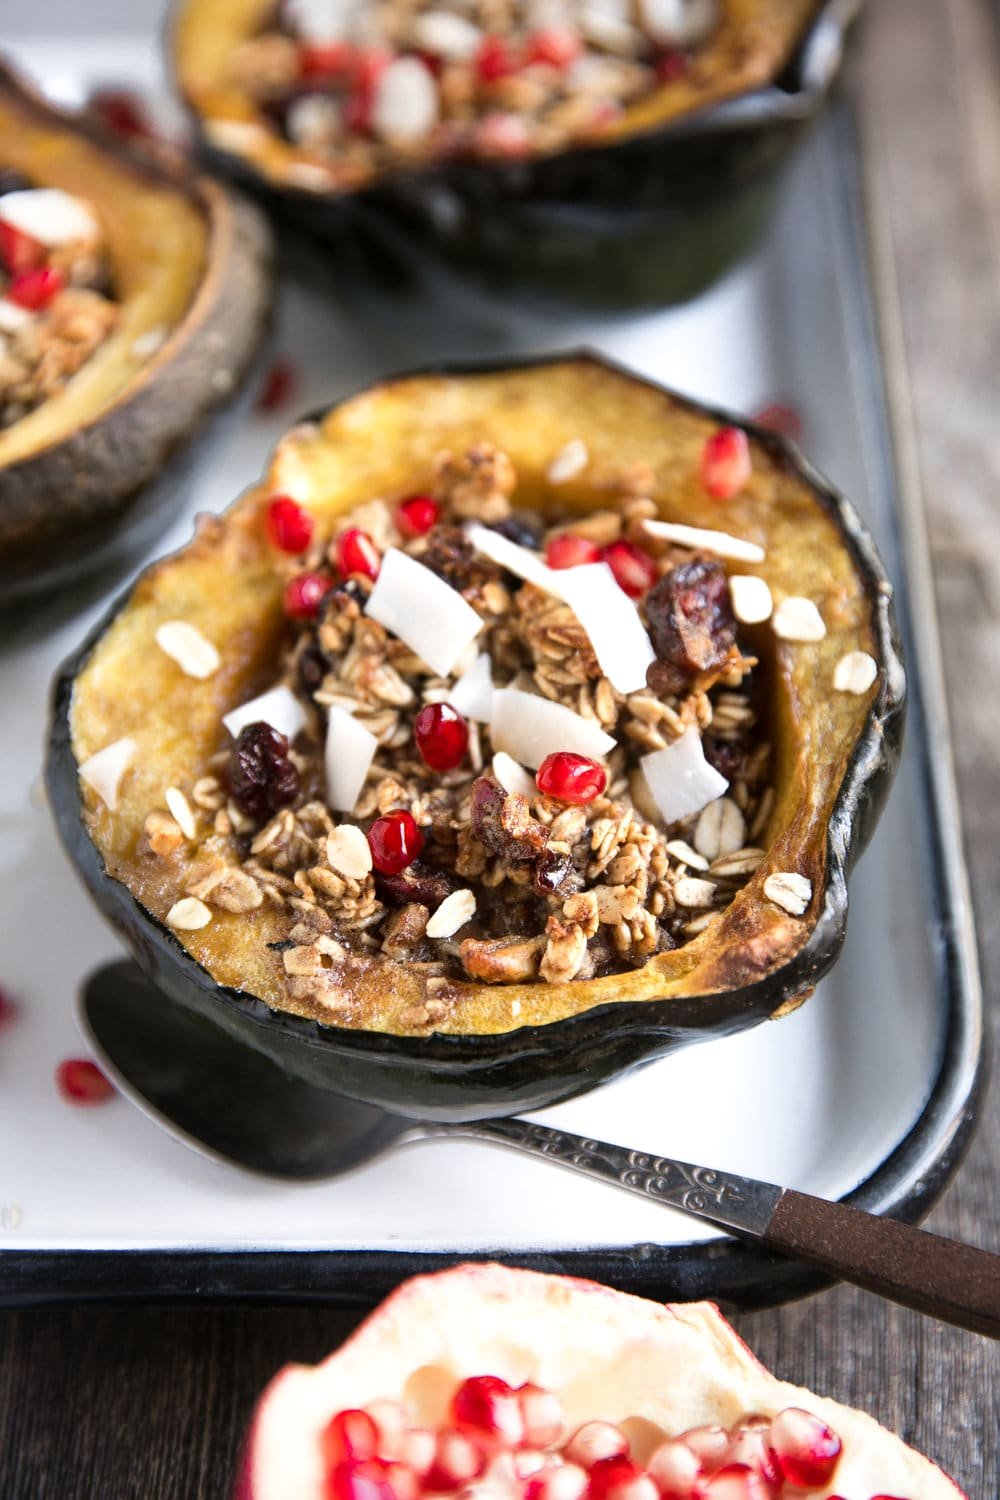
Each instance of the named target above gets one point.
<point>608,1356</point>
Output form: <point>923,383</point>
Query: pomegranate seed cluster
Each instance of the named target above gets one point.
<point>389,82</point>
<point>56,303</point>
<point>461,764</point>
<point>517,1443</point>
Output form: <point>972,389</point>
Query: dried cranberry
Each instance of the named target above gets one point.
<point>289,527</point>
<point>418,882</point>
<point>417,514</point>
<point>357,553</point>
<point>123,112</point>
<point>34,290</point>
<point>441,736</point>
<point>305,593</point>
<point>554,872</point>
<point>690,617</point>
<point>312,668</point>
<point>519,527</point>
<point>634,569</point>
<point>671,65</point>
<point>728,757</point>
<point>725,463</point>
<point>494,59</point>
<point>501,821</point>
<point>567,550</point>
<point>395,841</point>
<point>262,778</point>
<point>570,777</point>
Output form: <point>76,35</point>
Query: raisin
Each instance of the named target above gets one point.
<point>312,668</point>
<point>418,882</point>
<point>450,555</point>
<point>690,618</point>
<point>262,778</point>
<point>554,872</point>
<point>521,527</point>
<point>728,757</point>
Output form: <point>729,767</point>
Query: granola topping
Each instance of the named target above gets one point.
<point>57,305</point>
<point>496,808</point>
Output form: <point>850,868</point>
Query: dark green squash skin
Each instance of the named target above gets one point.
<point>441,1077</point>
<point>652,220</point>
<point>99,497</point>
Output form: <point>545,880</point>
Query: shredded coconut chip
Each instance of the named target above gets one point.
<point>705,540</point>
<point>278,707</point>
<point>455,910</point>
<point>511,776</point>
<point>855,672</point>
<point>104,771</point>
<point>186,645</point>
<point>798,619</point>
<point>751,598</point>
<point>788,890</point>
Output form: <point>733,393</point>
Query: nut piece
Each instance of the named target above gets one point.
<point>188,914</point>
<point>570,461</point>
<point>855,672</point>
<point>455,910</point>
<point>162,833</point>
<point>751,598</point>
<point>348,852</point>
<point>720,829</point>
<point>501,960</point>
<point>798,619</point>
<point>788,890</point>
<point>186,645</point>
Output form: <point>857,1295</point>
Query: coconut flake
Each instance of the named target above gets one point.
<point>611,620</point>
<point>751,598</point>
<point>511,776</point>
<point>529,728</point>
<point>444,34</point>
<point>455,910</point>
<point>798,619</point>
<point>406,101</point>
<point>278,707</point>
<point>680,778</point>
<point>104,770</point>
<point>186,645</point>
<point>350,750</point>
<point>13,317</point>
<point>570,461</point>
<point>706,540</point>
<point>521,561</point>
<point>472,695</point>
<point>421,609</point>
<point>48,215</point>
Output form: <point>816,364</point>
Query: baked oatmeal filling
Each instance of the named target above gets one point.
<point>536,801</point>
<point>377,83</point>
<point>57,304</point>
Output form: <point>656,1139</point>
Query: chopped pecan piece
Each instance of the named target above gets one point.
<point>501,960</point>
<point>502,821</point>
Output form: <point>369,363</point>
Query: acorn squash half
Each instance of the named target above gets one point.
<point>651,212</point>
<point>89,477</point>
<point>502,1047</point>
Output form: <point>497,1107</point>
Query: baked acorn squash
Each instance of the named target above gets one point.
<point>649,206</point>
<point>574,428</point>
<point>89,476</point>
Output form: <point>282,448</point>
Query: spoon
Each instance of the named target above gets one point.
<point>178,1069</point>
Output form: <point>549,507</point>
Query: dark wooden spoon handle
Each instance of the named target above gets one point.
<point>935,1275</point>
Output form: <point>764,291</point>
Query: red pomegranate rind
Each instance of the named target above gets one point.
<point>655,1371</point>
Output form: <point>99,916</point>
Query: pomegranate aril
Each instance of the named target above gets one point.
<point>348,1437</point>
<point>368,65</point>
<point>8,1010</point>
<point>557,46</point>
<point>620,1479</point>
<point>288,525</point>
<point>304,593</point>
<point>709,1444</point>
<point>494,59</point>
<point>725,463</point>
<point>325,59</point>
<point>736,1482</point>
<point>417,514</point>
<point>395,841</point>
<point>457,1462</point>
<point>123,112</point>
<point>277,388</point>
<point>568,550</point>
<point>570,777</point>
<point>634,569</point>
<point>19,251</point>
<point>34,290</point>
<point>749,1446</point>
<point>557,1482</point>
<point>595,1441</point>
<point>357,553</point>
<point>442,738</point>
<point>528,1461</point>
<point>402,1481</point>
<point>780,418</point>
<point>805,1449</point>
<point>676,1470</point>
<point>484,1406</point>
<point>81,1081</point>
<point>391,1423</point>
<point>542,1415</point>
<point>364,1480</point>
<point>416,1449</point>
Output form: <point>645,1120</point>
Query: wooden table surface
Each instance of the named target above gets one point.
<point>150,1405</point>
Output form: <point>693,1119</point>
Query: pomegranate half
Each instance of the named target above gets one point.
<point>476,1383</point>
